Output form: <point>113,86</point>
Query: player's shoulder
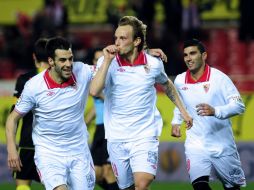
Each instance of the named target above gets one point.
<point>156,60</point>
<point>180,78</point>
<point>218,74</point>
<point>36,82</point>
<point>79,66</point>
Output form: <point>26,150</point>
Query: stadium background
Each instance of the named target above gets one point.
<point>88,24</point>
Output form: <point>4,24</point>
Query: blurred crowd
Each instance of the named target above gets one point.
<point>181,20</point>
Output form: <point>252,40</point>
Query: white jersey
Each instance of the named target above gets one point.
<point>58,125</point>
<point>210,134</point>
<point>130,110</point>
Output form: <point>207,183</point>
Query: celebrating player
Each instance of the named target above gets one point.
<point>132,122</point>
<point>57,97</point>
<point>211,98</point>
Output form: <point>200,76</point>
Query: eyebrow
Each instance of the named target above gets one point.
<point>64,59</point>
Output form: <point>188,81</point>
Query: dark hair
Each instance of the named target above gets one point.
<point>195,42</point>
<point>40,50</point>
<point>139,29</point>
<point>56,43</point>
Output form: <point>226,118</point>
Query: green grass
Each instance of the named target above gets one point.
<point>155,186</point>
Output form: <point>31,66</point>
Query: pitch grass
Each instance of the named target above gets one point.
<point>155,186</point>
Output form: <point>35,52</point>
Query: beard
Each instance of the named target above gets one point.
<point>64,72</point>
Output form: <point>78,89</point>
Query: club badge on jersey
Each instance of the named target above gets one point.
<point>206,87</point>
<point>147,68</point>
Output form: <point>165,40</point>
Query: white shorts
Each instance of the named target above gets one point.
<point>130,157</point>
<point>77,172</point>
<point>228,169</point>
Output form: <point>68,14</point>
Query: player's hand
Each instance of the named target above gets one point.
<point>110,52</point>
<point>175,131</point>
<point>14,162</point>
<point>188,121</point>
<point>158,53</point>
<point>205,110</point>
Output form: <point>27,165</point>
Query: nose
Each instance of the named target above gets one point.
<point>68,63</point>
<point>187,58</point>
<point>117,42</point>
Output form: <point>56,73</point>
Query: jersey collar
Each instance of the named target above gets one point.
<point>52,84</point>
<point>140,60</point>
<point>204,78</point>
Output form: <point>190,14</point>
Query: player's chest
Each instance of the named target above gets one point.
<point>199,92</point>
<point>56,97</point>
<point>133,76</point>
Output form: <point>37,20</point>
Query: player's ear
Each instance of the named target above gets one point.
<point>204,56</point>
<point>137,41</point>
<point>50,61</point>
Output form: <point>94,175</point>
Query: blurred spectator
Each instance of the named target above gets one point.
<point>191,23</point>
<point>246,29</point>
<point>24,23</point>
<point>173,19</point>
<point>17,48</point>
<point>42,25</point>
<point>52,20</point>
<point>60,16</point>
<point>114,12</point>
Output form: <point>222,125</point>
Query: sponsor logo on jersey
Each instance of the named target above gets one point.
<point>121,69</point>
<point>184,88</point>
<point>50,93</point>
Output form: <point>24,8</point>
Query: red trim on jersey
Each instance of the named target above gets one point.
<point>140,60</point>
<point>204,78</point>
<point>52,84</point>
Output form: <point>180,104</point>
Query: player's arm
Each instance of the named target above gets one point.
<point>176,123</point>
<point>171,92</point>
<point>14,161</point>
<point>157,53</point>
<point>233,106</point>
<point>98,82</point>
<point>89,117</point>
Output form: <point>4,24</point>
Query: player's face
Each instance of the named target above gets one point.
<point>193,59</point>
<point>62,65</point>
<point>124,39</point>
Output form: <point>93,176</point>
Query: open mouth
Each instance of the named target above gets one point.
<point>67,71</point>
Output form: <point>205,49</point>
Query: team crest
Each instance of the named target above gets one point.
<point>147,68</point>
<point>206,87</point>
<point>74,86</point>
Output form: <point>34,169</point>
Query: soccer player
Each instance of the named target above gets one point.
<point>132,122</point>
<point>57,97</point>
<point>211,98</point>
<point>104,174</point>
<point>26,148</point>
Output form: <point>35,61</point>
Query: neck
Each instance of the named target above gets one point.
<point>131,56</point>
<point>198,73</point>
<point>55,76</point>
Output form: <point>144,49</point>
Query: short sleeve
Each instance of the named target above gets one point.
<point>26,101</point>
<point>162,77</point>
